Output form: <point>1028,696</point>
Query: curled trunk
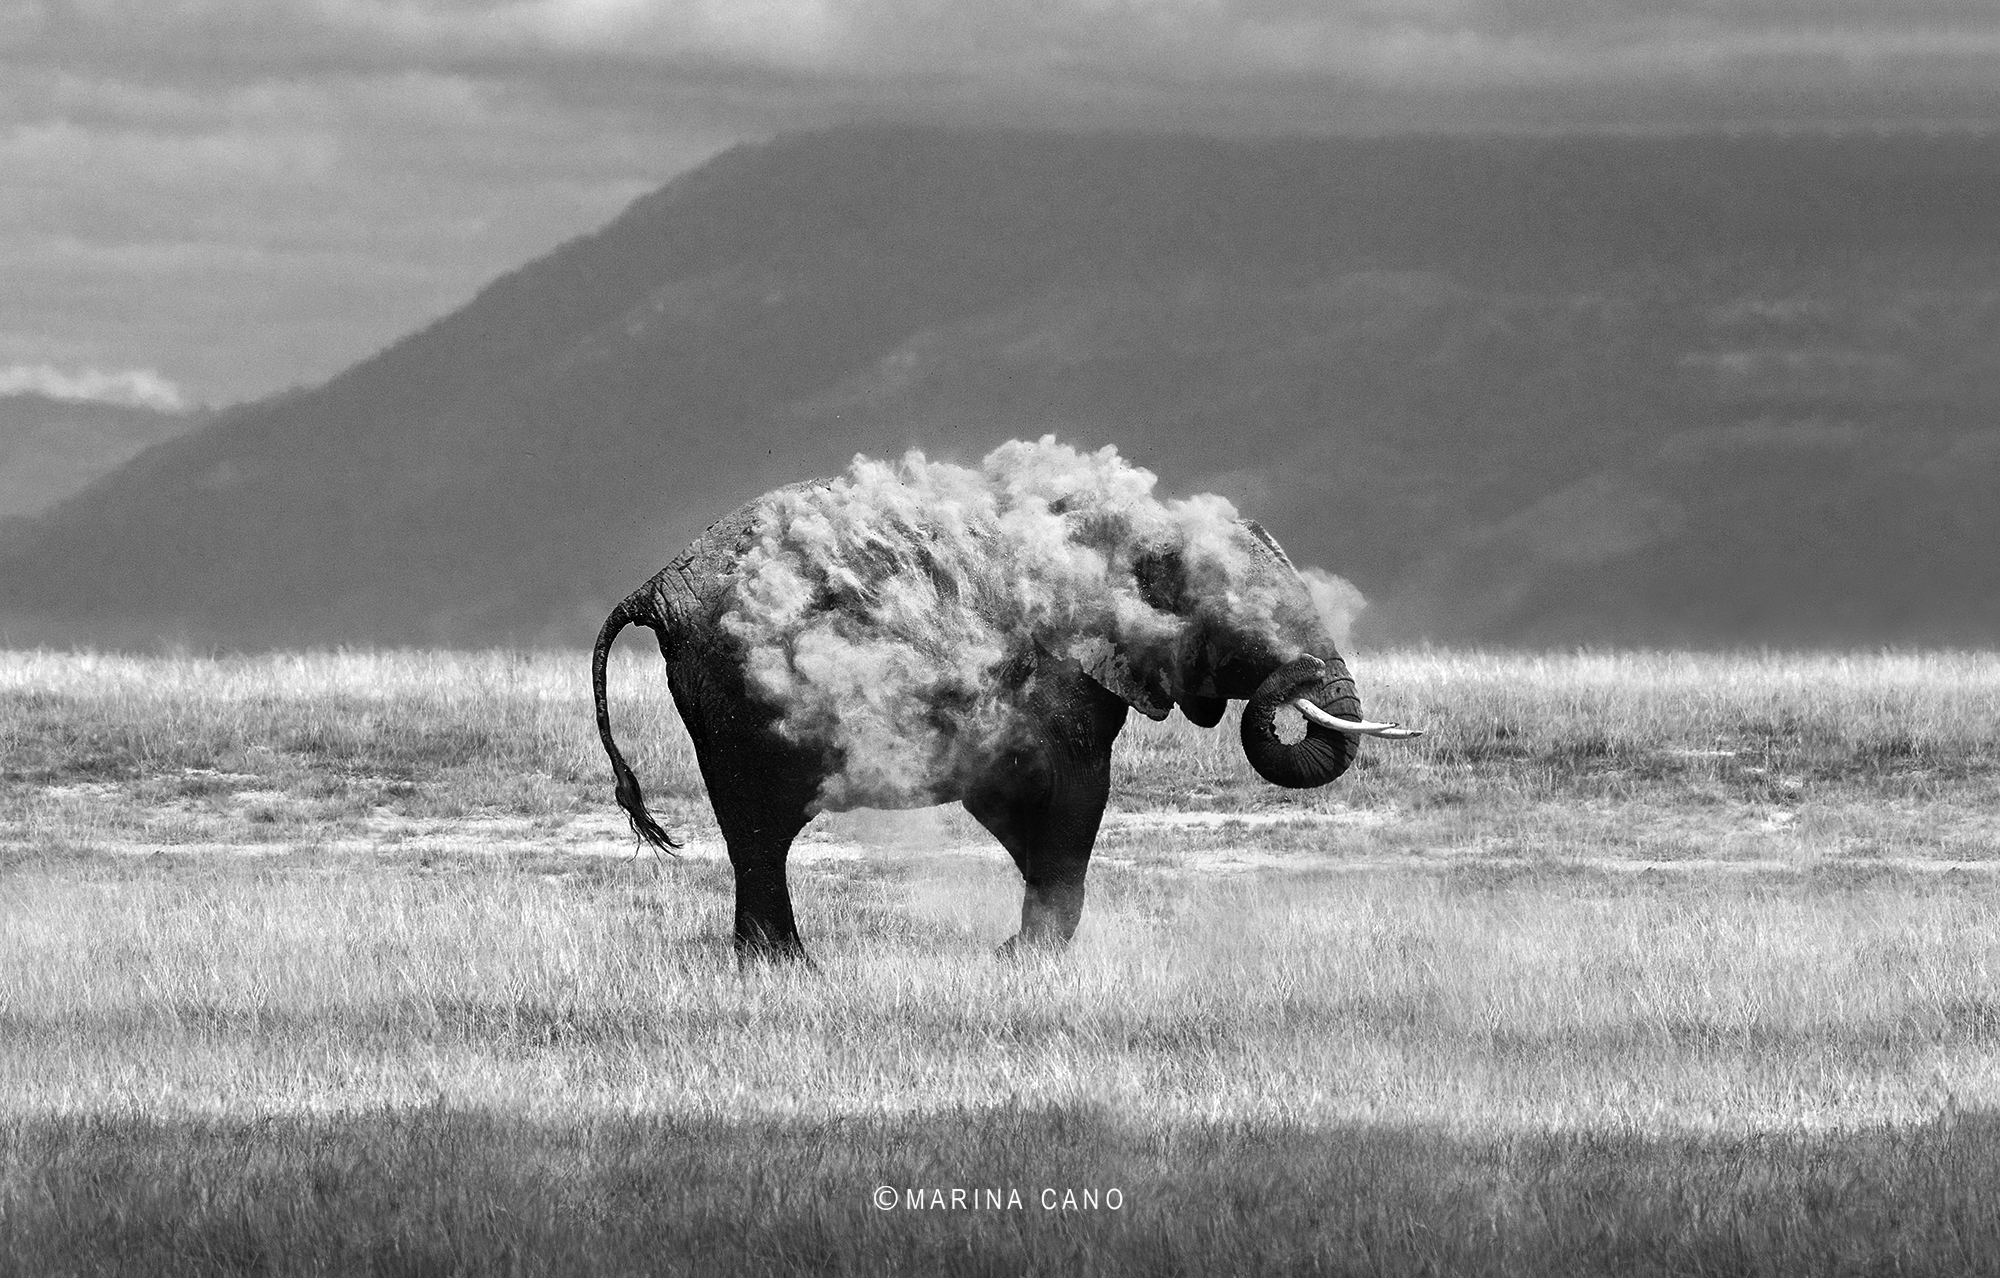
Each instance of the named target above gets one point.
<point>1322,753</point>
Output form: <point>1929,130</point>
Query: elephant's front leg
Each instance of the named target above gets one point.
<point>1045,811</point>
<point>1044,796</point>
<point>1051,906</point>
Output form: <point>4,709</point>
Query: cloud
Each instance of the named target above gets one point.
<point>333,173</point>
<point>772,63</point>
<point>246,236</point>
<point>134,387</point>
<point>886,53</point>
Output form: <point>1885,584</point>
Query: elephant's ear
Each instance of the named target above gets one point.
<point>1102,661</point>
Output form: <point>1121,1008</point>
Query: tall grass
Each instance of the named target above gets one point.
<point>1533,1001</point>
<point>1428,1023</point>
<point>1612,722</point>
<point>1911,725</point>
<point>71,716</point>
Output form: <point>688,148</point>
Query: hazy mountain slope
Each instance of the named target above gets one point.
<point>1394,351</point>
<point>51,448</point>
<point>1467,453</point>
<point>1788,534</point>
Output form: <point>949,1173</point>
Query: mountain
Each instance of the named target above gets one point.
<point>1549,391</point>
<point>51,448</point>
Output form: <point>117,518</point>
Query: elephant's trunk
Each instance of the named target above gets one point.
<point>1322,753</point>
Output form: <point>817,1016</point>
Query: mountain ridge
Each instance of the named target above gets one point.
<point>1400,354</point>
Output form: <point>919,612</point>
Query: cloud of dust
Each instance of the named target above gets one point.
<point>890,612</point>
<point>1337,600</point>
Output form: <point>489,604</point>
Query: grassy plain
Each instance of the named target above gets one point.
<point>1636,963</point>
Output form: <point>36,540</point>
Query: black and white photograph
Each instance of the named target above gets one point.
<point>1112,637</point>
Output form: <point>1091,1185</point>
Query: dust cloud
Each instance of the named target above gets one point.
<point>890,611</point>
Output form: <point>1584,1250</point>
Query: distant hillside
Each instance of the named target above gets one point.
<point>51,448</point>
<point>1540,391</point>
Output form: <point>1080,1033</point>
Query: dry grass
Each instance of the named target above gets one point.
<point>1530,1003</point>
<point>1636,963</point>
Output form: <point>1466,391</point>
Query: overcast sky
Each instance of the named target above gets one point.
<point>208,200</point>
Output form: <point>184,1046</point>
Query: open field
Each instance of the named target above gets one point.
<point>1651,963</point>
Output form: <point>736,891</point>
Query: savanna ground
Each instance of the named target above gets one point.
<point>1636,963</point>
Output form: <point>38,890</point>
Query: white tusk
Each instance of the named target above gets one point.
<point>1356,727</point>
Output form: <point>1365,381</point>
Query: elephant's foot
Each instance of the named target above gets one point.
<point>1049,915</point>
<point>1025,944</point>
<point>760,946</point>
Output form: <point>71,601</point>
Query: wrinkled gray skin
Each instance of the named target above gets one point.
<point>1041,793</point>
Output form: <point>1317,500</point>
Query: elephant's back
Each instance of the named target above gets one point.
<point>699,578</point>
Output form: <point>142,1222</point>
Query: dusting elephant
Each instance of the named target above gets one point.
<point>923,633</point>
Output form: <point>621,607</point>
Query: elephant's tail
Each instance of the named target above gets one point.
<point>629,796</point>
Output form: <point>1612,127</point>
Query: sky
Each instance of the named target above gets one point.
<point>207,201</point>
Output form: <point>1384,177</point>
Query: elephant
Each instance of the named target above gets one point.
<point>926,633</point>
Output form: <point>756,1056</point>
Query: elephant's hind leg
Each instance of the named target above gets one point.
<point>759,785</point>
<point>760,836</point>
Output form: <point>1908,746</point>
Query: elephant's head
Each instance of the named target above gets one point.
<point>1240,625</point>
